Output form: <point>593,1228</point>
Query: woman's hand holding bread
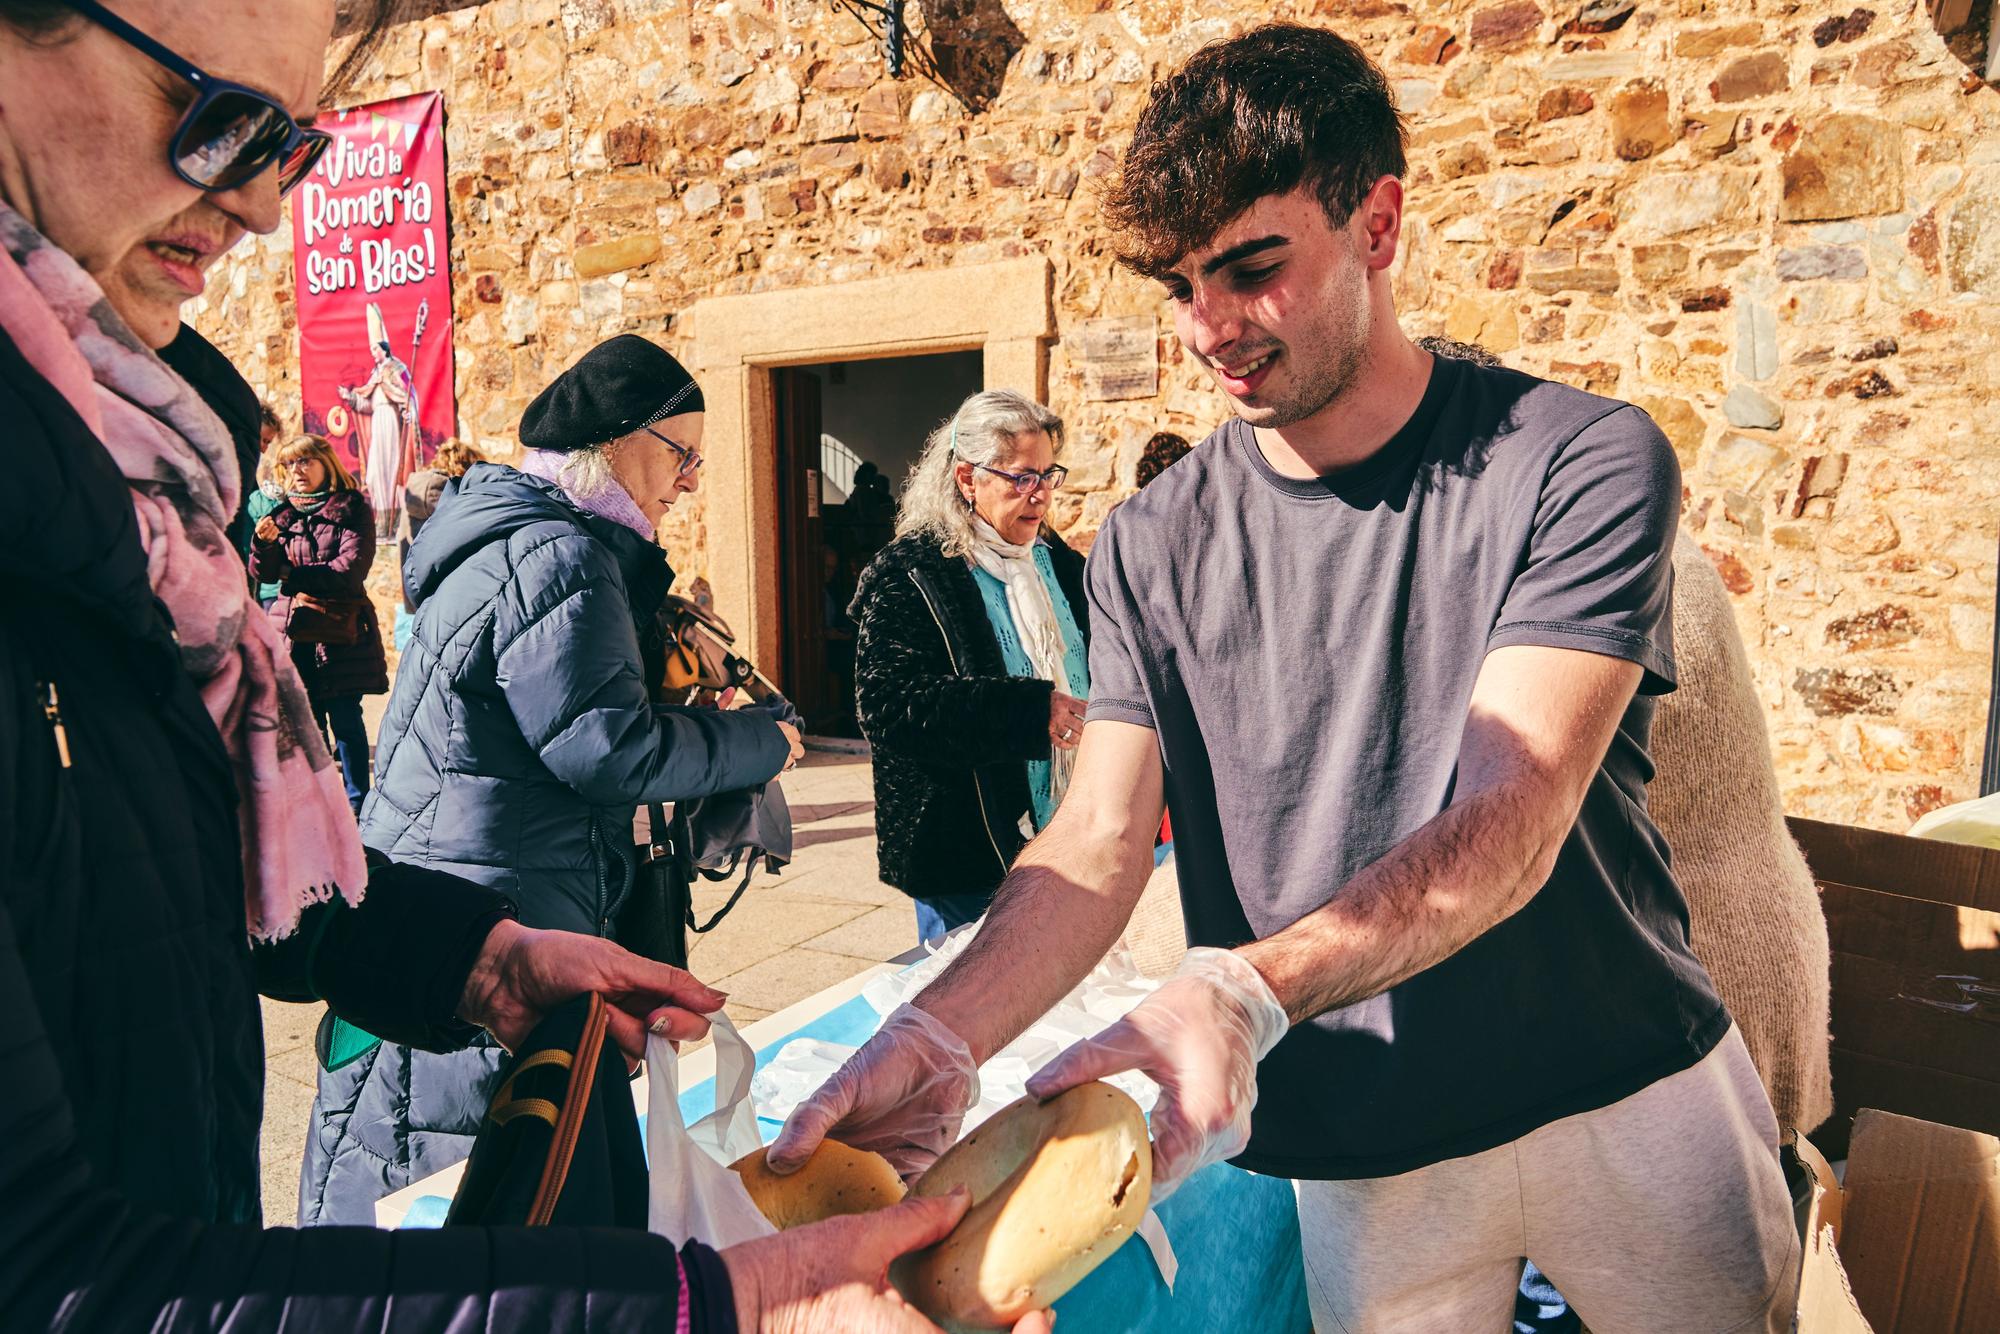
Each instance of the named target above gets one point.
<point>832,1277</point>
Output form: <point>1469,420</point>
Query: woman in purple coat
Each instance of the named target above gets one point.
<point>318,544</point>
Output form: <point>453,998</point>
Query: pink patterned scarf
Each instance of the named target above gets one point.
<point>300,843</point>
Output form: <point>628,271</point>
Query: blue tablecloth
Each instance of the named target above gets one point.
<point>1235,1234</point>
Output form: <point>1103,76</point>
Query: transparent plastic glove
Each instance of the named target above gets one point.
<point>1199,1037</point>
<point>903,1095</point>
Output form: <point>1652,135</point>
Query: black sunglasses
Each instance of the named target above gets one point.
<point>1027,483</point>
<point>690,461</point>
<point>231,133</point>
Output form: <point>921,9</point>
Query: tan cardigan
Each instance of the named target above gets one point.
<point>1753,909</point>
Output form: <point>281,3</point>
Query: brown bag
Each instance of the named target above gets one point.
<point>324,620</point>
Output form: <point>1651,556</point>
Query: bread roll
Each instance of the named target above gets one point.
<point>1056,1188</point>
<point>835,1180</point>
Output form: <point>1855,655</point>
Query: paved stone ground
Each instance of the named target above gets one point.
<point>825,918</point>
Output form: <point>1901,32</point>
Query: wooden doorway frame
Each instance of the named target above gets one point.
<point>1006,311</point>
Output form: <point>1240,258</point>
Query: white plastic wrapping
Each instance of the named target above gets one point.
<point>1101,999</point>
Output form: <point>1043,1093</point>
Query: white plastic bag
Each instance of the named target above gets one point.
<point>694,1195</point>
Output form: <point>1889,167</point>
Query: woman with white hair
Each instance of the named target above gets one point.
<point>971,659</point>
<point>522,731</point>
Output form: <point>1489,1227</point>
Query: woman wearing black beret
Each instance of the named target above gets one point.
<point>522,733</point>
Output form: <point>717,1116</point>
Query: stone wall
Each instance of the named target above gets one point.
<point>1775,225</point>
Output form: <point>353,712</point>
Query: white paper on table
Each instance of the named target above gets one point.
<point>1100,1000</point>
<point>692,1193</point>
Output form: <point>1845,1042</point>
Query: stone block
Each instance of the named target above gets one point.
<point>1751,77</point>
<point>1740,463</point>
<point>1700,43</point>
<point>1747,408</point>
<point>1843,167</point>
<point>1886,626</point>
<point>1600,16</point>
<point>1835,692</point>
<point>1881,65</point>
<point>517,318</point>
<point>1578,65</point>
<point>880,114</point>
<point>1459,160</point>
<point>1805,263</point>
<point>834,160</point>
<point>1563,102</point>
<point>1017,175</point>
<point>1869,383</point>
<point>701,197</point>
<point>631,143</point>
<point>1756,341</point>
<point>1432,45</point>
<point>627,252</point>
<point>1640,125</point>
<point>1658,263</point>
<point>1972,240</point>
<point>1842,29</point>
<point>890,170</point>
<point>1563,269</point>
<point>1506,26</point>
<point>1670,203</point>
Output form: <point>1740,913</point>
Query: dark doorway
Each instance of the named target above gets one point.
<point>848,434</point>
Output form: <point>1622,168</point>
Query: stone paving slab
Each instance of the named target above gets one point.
<point>787,978</point>
<point>763,924</point>
<point>824,919</point>
<point>882,933</point>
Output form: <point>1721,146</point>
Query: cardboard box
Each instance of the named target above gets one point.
<point>1915,928</point>
<point>1911,1244</point>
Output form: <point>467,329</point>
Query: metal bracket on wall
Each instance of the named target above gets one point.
<point>889,14</point>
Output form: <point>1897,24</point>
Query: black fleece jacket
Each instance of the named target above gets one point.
<point>952,732</point>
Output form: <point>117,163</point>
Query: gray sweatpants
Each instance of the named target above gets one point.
<point>1666,1210</point>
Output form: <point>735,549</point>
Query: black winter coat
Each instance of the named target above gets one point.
<point>326,554</point>
<point>129,1025</point>
<point>952,732</point>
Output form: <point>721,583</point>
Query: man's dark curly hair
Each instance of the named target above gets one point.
<point>1280,107</point>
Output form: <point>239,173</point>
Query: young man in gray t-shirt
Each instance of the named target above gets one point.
<point>1387,644</point>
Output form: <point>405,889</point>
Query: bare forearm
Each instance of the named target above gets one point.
<point>1471,867</point>
<point>1069,895</point>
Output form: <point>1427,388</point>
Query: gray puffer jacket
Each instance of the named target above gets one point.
<point>519,738</point>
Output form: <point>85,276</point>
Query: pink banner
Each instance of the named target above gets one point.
<point>370,258</point>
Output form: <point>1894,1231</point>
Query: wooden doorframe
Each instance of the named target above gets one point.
<point>1006,311</point>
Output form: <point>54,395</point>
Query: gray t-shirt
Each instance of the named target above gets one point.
<point>1306,651</point>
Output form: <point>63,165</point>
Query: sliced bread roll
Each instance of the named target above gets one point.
<point>1056,1188</point>
<point>836,1180</point>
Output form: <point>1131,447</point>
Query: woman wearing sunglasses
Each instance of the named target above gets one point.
<point>164,802</point>
<point>971,659</point>
<point>521,733</point>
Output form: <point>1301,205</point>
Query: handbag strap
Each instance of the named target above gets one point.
<point>749,869</point>
<point>569,1121</point>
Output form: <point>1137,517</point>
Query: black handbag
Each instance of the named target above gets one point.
<point>560,1141</point>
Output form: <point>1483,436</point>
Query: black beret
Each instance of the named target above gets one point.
<point>617,387</point>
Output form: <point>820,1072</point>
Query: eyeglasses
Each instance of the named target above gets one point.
<point>1027,483</point>
<point>231,133</point>
<point>690,461</point>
